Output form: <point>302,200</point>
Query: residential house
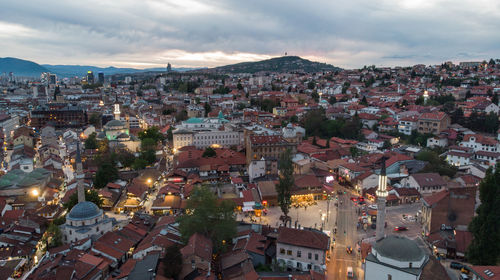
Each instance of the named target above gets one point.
<point>479,142</point>
<point>196,257</point>
<point>433,123</point>
<point>424,183</point>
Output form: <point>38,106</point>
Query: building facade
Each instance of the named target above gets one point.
<point>433,123</point>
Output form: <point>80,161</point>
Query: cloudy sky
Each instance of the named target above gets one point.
<point>192,33</point>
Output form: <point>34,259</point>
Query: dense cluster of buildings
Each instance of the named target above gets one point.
<point>248,121</point>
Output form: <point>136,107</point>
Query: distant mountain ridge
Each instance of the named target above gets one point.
<point>26,68</point>
<point>278,64</point>
<point>21,67</point>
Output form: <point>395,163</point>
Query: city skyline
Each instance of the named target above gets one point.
<point>198,34</point>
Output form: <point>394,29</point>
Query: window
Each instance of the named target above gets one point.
<point>289,252</point>
<point>282,251</point>
<point>299,254</point>
<point>316,257</point>
<point>309,255</point>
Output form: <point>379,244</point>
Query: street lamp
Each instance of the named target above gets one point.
<point>149,181</point>
<point>35,192</point>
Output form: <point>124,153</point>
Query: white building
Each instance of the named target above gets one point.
<point>302,249</point>
<point>395,258</point>
<point>256,169</point>
<point>407,125</point>
<point>479,142</point>
<point>459,156</point>
<point>436,141</point>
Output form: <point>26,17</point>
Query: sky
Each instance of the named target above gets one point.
<point>192,33</point>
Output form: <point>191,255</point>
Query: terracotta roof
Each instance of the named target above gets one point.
<point>435,198</point>
<point>267,139</point>
<point>198,245</point>
<point>429,179</point>
<point>303,238</point>
<point>483,271</point>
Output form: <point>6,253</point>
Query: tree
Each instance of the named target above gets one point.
<point>208,108</point>
<point>315,96</point>
<point>386,145</point>
<point>91,142</point>
<point>149,156</point>
<point>436,163</point>
<point>327,143</point>
<point>314,141</point>
<point>181,116</point>
<point>239,86</point>
<point>354,151</point>
<point>95,120</point>
<point>332,100</point>
<point>172,262</point>
<point>494,100</point>
<point>106,173</point>
<point>209,152</point>
<point>364,101</point>
<point>139,163</point>
<point>311,85</point>
<point>152,133</point>
<point>485,227</point>
<point>90,195</point>
<point>286,182</point>
<point>53,236</point>
<point>420,101</point>
<point>404,103</point>
<point>148,144</point>
<point>209,216</point>
<point>170,135</point>
<point>126,158</point>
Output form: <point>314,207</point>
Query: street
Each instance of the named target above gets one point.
<point>346,236</point>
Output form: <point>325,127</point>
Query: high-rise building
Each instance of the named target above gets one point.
<point>100,78</point>
<point>90,77</point>
<point>169,67</point>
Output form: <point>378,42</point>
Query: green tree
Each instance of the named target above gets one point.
<point>139,163</point>
<point>172,262</point>
<point>181,116</point>
<point>239,86</point>
<point>106,173</point>
<point>208,108</point>
<point>91,142</point>
<point>53,236</point>
<point>209,216</point>
<point>170,135</point>
<point>420,100</point>
<point>152,133</point>
<point>404,103</point>
<point>354,151</point>
<point>332,100</point>
<point>148,144</point>
<point>314,141</point>
<point>126,158</point>
<point>485,227</point>
<point>315,96</point>
<point>286,183</point>
<point>95,119</point>
<point>311,85</point>
<point>209,152</point>
<point>364,101</point>
<point>436,163</point>
<point>90,195</point>
<point>494,100</point>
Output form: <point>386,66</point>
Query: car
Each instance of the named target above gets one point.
<point>400,228</point>
<point>464,270</point>
<point>348,249</point>
<point>463,276</point>
<point>456,265</point>
<point>360,198</point>
<point>445,227</point>
<point>350,273</point>
<point>354,198</point>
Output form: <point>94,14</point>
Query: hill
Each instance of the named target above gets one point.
<point>278,64</point>
<point>21,67</point>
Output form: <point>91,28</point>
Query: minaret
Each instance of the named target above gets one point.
<point>381,197</point>
<point>117,112</point>
<point>426,96</point>
<point>79,174</point>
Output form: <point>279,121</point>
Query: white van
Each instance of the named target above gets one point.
<point>350,274</point>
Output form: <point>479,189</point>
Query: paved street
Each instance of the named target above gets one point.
<point>346,237</point>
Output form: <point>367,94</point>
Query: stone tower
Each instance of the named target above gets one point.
<point>79,174</point>
<point>381,199</point>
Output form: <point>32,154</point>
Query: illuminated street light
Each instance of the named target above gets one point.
<point>149,180</point>
<point>35,192</point>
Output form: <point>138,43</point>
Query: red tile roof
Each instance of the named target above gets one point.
<point>303,238</point>
<point>435,198</point>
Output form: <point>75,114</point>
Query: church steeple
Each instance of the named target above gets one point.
<point>79,174</point>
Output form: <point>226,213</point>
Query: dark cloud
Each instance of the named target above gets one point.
<point>207,33</point>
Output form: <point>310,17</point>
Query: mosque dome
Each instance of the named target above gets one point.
<point>85,210</point>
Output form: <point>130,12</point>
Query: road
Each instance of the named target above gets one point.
<point>346,236</point>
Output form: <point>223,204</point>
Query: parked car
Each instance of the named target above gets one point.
<point>400,228</point>
<point>456,265</point>
<point>445,227</point>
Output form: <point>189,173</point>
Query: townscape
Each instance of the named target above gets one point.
<point>371,173</point>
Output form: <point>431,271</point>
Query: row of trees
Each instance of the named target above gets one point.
<point>316,124</point>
